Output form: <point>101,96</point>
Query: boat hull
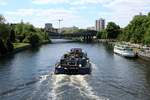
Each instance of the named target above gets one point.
<point>74,71</point>
<point>125,54</point>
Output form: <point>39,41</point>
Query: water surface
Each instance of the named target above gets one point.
<point>28,75</point>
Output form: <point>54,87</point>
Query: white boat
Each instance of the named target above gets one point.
<point>124,50</point>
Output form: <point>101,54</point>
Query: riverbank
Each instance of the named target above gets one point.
<point>143,51</point>
<point>18,47</point>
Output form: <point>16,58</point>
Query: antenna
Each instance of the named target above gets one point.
<point>60,20</point>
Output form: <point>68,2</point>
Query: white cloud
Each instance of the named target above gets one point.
<point>3,2</point>
<point>72,2</point>
<point>119,11</point>
<point>49,1</point>
<point>41,16</point>
<point>122,11</point>
<point>85,2</point>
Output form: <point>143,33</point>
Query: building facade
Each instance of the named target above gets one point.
<point>69,28</point>
<point>91,28</point>
<point>100,24</point>
<point>49,28</point>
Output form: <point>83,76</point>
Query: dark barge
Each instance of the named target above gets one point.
<point>73,63</point>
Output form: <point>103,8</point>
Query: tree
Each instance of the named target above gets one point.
<point>135,30</point>
<point>102,34</point>
<point>113,30</point>
<point>4,29</point>
<point>19,28</point>
<point>2,19</point>
<point>99,34</point>
<point>12,36</point>
<point>27,27</point>
<point>3,49</point>
<point>34,39</point>
<point>149,14</point>
<point>147,37</point>
<point>10,46</point>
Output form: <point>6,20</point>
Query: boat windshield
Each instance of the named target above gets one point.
<point>123,47</point>
<point>128,49</point>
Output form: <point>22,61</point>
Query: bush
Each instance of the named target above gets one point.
<point>12,36</point>
<point>99,35</point>
<point>10,46</point>
<point>34,39</point>
<point>3,49</point>
<point>147,37</point>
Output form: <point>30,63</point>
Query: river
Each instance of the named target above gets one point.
<point>28,75</point>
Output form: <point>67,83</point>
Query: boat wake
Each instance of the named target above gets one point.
<point>64,84</point>
<point>84,88</point>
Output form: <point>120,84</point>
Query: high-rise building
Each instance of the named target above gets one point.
<point>100,24</point>
<point>49,28</point>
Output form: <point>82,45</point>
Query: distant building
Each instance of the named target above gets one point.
<point>91,28</point>
<point>140,14</point>
<point>69,28</point>
<point>100,24</point>
<point>49,28</point>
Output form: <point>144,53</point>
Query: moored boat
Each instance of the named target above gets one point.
<point>124,50</point>
<point>73,62</point>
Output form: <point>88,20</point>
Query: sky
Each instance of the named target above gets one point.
<point>80,13</point>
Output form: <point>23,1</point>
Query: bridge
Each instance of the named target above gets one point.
<point>86,36</point>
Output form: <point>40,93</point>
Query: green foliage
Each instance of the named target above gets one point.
<point>20,45</point>
<point>24,31</point>
<point>10,46</point>
<point>113,30</point>
<point>73,31</point>
<point>102,34</point>
<point>24,28</point>
<point>19,28</point>
<point>34,39</point>
<point>137,30</point>
<point>99,34</point>
<point>21,32</point>
<point>147,37</point>
<point>21,37</point>
<point>4,31</point>
<point>12,36</point>
<point>3,49</point>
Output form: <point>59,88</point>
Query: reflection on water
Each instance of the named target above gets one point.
<point>29,75</point>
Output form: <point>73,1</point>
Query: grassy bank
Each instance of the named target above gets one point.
<point>20,45</point>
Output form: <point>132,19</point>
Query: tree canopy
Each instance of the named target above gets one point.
<point>19,32</point>
<point>111,32</point>
<point>137,31</point>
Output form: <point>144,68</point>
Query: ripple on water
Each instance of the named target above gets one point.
<point>72,85</point>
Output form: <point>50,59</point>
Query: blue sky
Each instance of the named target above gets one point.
<point>81,13</point>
